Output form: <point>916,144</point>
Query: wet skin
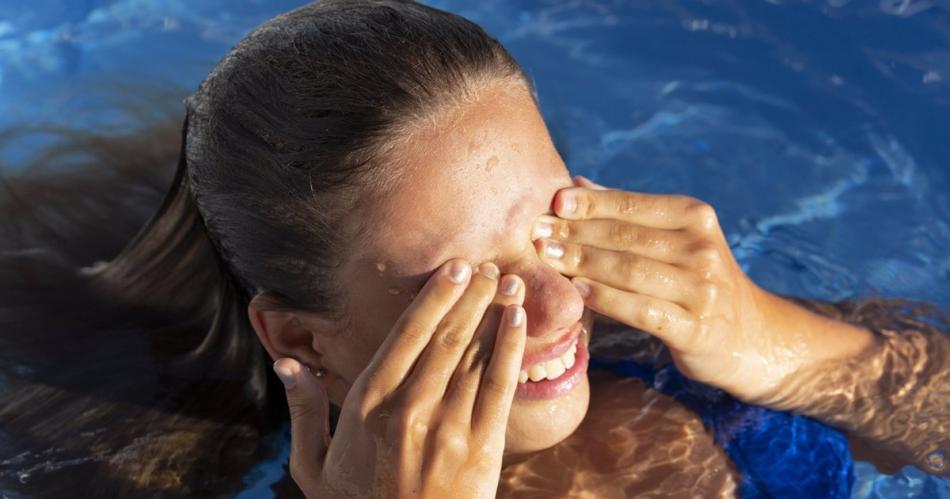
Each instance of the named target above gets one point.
<point>482,182</point>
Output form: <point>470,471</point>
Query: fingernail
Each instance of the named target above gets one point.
<point>285,374</point>
<point>509,285</point>
<point>489,270</point>
<point>582,288</point>
<point>553,249</point>
<point>515,316</point>
<point>543,228</point>
<point>568,203</point>
<point>459,271</point>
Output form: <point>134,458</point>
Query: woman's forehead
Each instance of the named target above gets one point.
<point>469,186</point>
<point>442,220</point>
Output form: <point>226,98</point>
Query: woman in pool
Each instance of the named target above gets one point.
<point>389,214</point>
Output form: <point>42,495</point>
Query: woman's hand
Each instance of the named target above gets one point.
<point>661,264</point>
<point>427,417</point>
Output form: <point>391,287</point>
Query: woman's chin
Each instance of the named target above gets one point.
<point>535,425</point>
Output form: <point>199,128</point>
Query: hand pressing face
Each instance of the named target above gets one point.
<point>660,263</point>
<point>469,184</point>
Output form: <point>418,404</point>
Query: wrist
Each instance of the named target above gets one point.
<point>810,344</point>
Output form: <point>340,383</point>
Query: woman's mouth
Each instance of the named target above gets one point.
<point>562,370</point>
<point>551,369</point>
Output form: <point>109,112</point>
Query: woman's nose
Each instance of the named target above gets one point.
<point>551,302</point>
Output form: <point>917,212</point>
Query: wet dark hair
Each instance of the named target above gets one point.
<point>142,368</point>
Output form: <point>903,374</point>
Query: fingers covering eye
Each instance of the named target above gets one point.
<point>441,356</point>
<point>413,330</point>
<point>624,270</point>
<point>660,244</point>
<point>669,322</point>
<point>651,210</point>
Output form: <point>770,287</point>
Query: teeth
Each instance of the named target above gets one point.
<point>554,367</point>
<point>569,361</point>
<point>537,372</point>
<point>550,369</point>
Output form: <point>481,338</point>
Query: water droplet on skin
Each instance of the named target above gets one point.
<point>936,460</point>
<point>393,291</point>
<point>381,267</point>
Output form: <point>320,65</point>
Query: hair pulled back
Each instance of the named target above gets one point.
<point>281,141</point>
<point>279,144</point>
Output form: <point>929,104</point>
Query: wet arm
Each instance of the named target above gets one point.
<point>890,389</point>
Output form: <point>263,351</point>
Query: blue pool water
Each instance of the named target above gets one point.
<point>820,130</point>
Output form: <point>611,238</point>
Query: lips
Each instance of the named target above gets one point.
<point>554,350</point>
<point>566,381</point>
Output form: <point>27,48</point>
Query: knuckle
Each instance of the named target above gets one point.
<point>484,453</point>
<point>706,257</point>
<point>413,331</point>
<point>696,332</point>
<point>418,429</point>
<point>361,408</point>
<point>493,385</point>
<point>632,267</point>
<point>408,421</point>
<point>451,441</point>
<point>365,405</point>
<point>702,214</point>
<point>587,205</point>
<point>644,316</point>
<point>658,244</point>
<point>707,293</point>
<point>627,205</point>
<point>451,337</point>
<point>663,320</point>
<point>623,235</point>
<point>684,200</point>
<point>300,410</point>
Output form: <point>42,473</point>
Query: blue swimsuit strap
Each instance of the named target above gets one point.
<point>779,454</point>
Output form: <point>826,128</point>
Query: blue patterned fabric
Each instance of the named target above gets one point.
<point>779,454</point>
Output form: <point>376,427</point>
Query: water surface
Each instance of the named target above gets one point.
<point>817,129</point>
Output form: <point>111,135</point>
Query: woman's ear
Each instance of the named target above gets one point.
<point>301,335</point>
<point>288,333</point>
